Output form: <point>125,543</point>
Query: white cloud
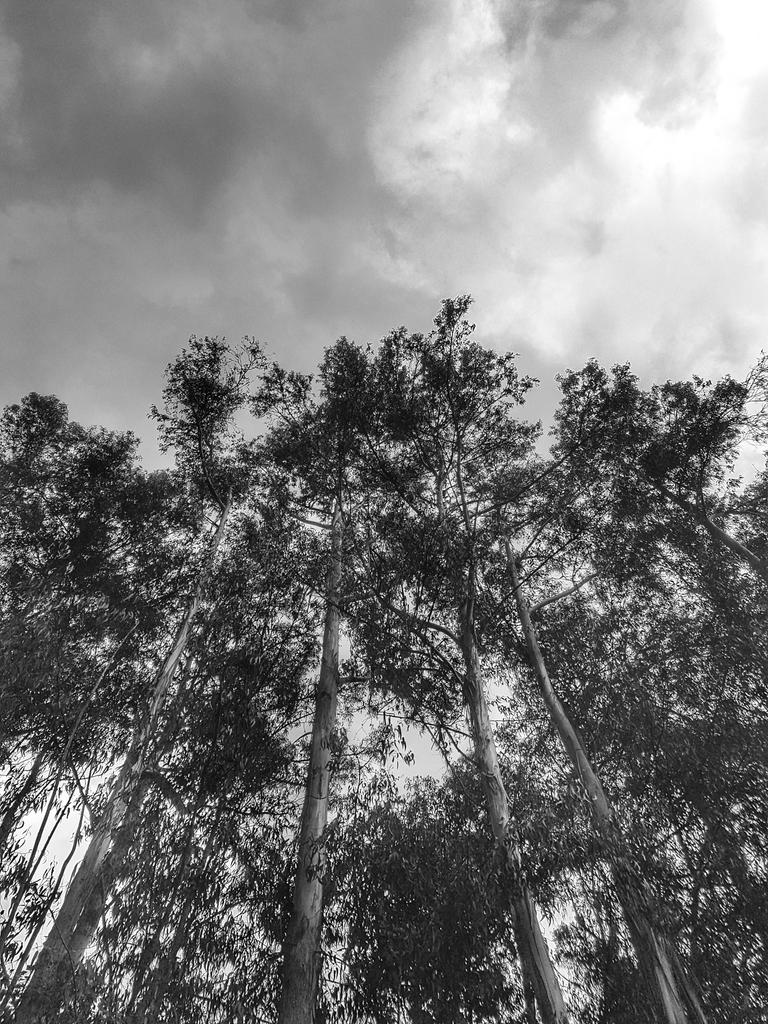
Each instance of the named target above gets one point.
<point>442,116</point>
<point>610,225</point>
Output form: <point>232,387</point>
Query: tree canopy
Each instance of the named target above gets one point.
<point>384,703</point>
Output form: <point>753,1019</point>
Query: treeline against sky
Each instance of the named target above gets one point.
<point>213,677</point>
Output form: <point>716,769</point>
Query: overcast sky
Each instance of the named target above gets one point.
<point>594,173</point>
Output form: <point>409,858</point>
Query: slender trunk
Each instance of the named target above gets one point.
<point>714,530</point>
<point>673,991</point>
<point>539,977</point>
<point>77,919</point>
<point>301,949</point>
<point>109,871</point>
<point>11,816</point>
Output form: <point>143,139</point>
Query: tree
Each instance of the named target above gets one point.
<point>80,555</point>
<point>674,993</point>
<point>446,408</point>
<point>581,636</point>
<point>311,445</point>
<point>195,922</point>
<point>201,395</point>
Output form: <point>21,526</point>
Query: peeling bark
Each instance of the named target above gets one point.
<point>301,948</point>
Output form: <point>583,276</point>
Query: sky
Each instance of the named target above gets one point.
<point>594,173</point>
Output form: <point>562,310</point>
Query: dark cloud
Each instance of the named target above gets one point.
<point>174,167</point>
<point>166,99</point>
<point>601,20</point>
<point>99,98</point>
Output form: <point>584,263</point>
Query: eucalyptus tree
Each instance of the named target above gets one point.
<point>669,984</point>
<point>667,705</point>
<point>194,922</point>
<point>311,446</point>
<point>74,505</point>
<point>560,521</point>
<point>81,557</point>
<point>204,388</point>
<point>635,476</point>
<point>443,426</point>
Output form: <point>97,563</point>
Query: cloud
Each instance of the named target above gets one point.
<point>97,100</point>
<point>582,186</point>
<point>176,167</point>
<point>593,172</point>
<point>167,99</point>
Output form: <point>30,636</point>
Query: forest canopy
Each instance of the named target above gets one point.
<point>383,702</point>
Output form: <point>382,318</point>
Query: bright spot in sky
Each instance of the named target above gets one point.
<point>743,26</point>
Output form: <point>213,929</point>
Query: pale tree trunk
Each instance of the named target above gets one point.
<point>109,870</point>
<point>673,991</point>
<point>301,949</point>
<point>76,922</point>
<point>539,978</point>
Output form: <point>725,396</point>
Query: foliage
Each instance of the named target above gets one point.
<point>642,555</point>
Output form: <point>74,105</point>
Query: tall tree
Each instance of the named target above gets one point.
<point>202,393</point>
<point>621,457</point>
<point>311,445</point>
<point>193,922</point>
<point>674,993</point>
<point>447,411</point>
<point>83,544</point>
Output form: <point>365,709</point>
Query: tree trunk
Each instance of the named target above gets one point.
<point>11,816</point>
<point>538,973</point>
<point>77,919</point>
<point>301,949</point>
<point>672,990</point>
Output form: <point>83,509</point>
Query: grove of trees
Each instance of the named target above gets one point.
<point>220,679</point>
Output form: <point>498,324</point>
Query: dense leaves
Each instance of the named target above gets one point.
<point>641,556</point>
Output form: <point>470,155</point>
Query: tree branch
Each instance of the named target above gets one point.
<point>564,593</point>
